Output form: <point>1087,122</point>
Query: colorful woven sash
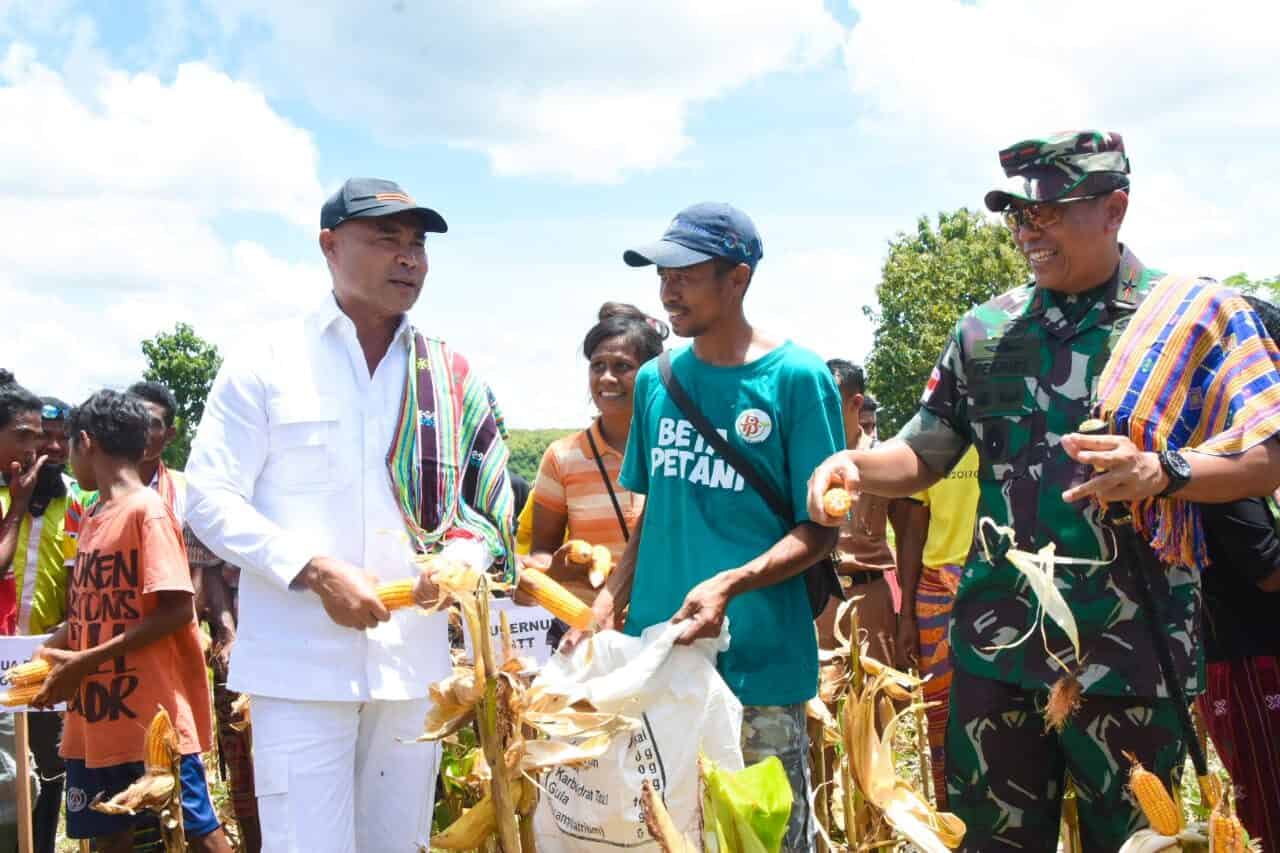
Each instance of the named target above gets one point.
<point>447,462</point>
<point>1195,369</point>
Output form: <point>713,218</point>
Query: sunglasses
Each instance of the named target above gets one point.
<point>1045,214</point>
<point>50,412</point>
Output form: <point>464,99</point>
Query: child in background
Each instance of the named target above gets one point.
<point>130,642</point>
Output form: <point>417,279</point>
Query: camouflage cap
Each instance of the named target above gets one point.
<point>1063,165</point>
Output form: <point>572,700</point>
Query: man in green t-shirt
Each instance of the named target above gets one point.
<point>708,546</point>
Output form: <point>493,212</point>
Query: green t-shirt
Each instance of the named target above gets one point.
<point>783,412</point>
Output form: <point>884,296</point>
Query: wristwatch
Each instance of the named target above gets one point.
<point>1177,469</point>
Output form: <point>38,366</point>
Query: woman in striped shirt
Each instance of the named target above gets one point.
<point>577,494</point>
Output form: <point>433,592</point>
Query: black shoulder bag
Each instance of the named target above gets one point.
<point>821,580</point>
<point>608,484</point>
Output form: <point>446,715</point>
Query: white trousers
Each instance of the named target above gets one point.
<point>334,777</point>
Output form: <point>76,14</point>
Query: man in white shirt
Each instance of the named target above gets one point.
<point>325,461</point>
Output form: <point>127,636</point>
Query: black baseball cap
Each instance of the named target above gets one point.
<point>361,197</point>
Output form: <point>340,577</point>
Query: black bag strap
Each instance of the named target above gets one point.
<point>727,451</point>
<point>608,484</point>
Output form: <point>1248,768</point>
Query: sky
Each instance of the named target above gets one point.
<point>165,161</point>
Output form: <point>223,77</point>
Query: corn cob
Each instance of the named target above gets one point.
<point>556,599</point>
<point>397,594</point>
<point>601,565</point>
<point>1226,834</point>
<point>29,673</point>
<point>15,696</point>
<point>1161,812</point>
<point>837,502</point>
<point>579,553</point>
<point>161,743</point>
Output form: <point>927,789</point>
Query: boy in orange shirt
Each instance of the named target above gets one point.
<point>130,641</point>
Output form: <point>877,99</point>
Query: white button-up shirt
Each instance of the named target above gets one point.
<point>290,463</point>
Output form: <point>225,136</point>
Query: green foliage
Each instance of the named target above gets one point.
<point>747,809</point>
<point>187,365</point>
<point>931,277</point>
<point>527,447</point>
<point>1265,288</point>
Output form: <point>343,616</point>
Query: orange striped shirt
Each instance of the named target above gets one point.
<point>569,484</point>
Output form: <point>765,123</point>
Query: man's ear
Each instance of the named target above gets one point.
<point>328,242</point>
<point>170,433</point>
<point>1115,206</point>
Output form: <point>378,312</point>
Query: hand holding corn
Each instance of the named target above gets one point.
<point>837,473</point>
<point>421,591</point>
<point>66,670</point>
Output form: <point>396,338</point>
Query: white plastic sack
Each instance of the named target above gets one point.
<point>683,706</point>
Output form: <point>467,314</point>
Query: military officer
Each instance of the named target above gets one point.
<point>1018,375</point>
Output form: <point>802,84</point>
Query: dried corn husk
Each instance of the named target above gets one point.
<point>158,789</point>
<point>240,713</point>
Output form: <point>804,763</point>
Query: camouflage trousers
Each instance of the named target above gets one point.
<point>782,730</point>
<point>1006,775</point>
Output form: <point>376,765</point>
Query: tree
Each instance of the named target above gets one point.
<point>1265,288</point>
<point>527,446</point>
<point>929,280</point>
<point>187,365</point>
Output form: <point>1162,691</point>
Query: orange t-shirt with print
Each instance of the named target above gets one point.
<point>129,550</point>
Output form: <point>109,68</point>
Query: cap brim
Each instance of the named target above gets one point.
<point>664,253</point>
<point>431,221</point>
<point>998,200</point>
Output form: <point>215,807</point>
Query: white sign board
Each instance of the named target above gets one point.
<point>529,626</point>
<point>16,650</point>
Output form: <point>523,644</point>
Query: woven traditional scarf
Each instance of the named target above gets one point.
<point>447,462</point>
<point>1196,370</point>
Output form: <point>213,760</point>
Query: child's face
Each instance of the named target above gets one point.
<point>81,461</point>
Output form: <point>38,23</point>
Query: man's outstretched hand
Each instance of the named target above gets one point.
<point>837,472</point>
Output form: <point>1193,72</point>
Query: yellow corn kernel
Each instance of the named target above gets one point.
<point>601,566</point>
<point>556,599</point>
<point>1210,791</point>
<point>1226,834</point>
<point>578,553</point>
<point>161,743</point>
<point>29,673</point>
<point>15,696</point>
<point>396,594</point>
<point>1162,813</point>
<point>837,502</point>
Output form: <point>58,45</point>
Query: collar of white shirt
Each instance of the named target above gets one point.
<point>329,312</point>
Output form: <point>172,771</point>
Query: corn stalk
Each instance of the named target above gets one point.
<point>492,742</point>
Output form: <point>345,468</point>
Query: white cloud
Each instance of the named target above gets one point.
<point>203,141</point>
<point>110,198</point>
<point>1188,84</point>
<point>585,90</point>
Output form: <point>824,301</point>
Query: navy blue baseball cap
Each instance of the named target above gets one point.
<point>361,197</point>
<point>700,233</point>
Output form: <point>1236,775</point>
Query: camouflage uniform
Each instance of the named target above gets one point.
<point>1017,374</point>
<point>781,730</point>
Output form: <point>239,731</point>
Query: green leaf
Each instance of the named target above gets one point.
<point>751,807</point>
